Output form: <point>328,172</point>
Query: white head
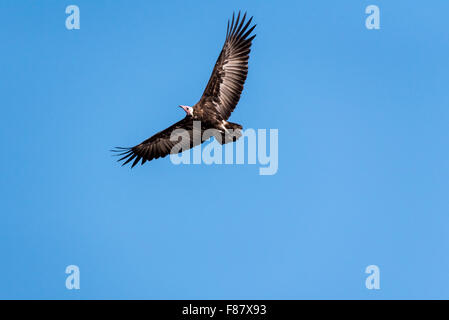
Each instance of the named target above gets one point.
<point>188,110</point>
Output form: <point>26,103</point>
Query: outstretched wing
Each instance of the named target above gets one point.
<point>225,85</point>
<point>161,144</point>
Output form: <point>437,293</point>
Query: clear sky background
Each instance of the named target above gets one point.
<point>363,152</point>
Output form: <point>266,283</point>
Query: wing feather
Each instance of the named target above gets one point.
<point>159,145</point>
<point>228,77</point>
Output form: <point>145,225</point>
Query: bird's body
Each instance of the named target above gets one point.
<point>211,113</point>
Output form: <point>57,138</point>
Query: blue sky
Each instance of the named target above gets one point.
<point>363,152</point>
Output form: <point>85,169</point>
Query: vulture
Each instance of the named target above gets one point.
<point>212,111</point>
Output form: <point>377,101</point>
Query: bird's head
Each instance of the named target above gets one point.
<point>188,110</point>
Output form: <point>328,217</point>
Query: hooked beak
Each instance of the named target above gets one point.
<point>185,108</point>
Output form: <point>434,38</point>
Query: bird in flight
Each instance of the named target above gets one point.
<point>212,111</point>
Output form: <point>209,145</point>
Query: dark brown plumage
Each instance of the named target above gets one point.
<point>219,99</point>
